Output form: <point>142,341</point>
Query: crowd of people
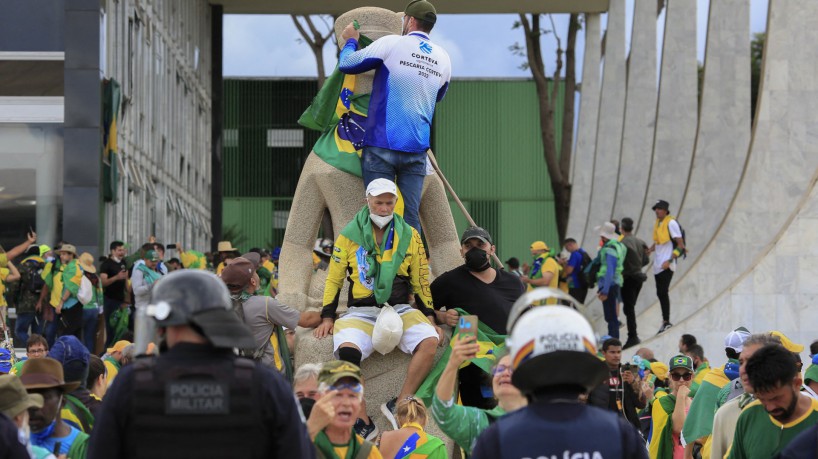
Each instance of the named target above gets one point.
<point>522,373</point>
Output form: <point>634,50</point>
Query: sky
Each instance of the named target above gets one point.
<point>270,45</point>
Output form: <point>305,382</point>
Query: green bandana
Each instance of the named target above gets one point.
<point>326,449</point>
<point>393,248</point>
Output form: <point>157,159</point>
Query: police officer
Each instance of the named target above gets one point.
<point>554,359</point>
<point>198,399</point>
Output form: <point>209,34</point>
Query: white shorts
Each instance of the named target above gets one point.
<point>356,327</point>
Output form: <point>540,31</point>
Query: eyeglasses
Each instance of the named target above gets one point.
<point>678,376</point>
<point>354,387</point>
<point>501,368</point>
<point>36,351</point>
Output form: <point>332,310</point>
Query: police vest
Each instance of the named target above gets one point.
<point>593,434</point>
<point>209,410</point>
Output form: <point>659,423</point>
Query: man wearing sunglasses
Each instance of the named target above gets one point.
<point>669,412</point>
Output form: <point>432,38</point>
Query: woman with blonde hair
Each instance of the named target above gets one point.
<point>411,441</point>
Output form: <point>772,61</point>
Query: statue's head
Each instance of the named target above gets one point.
<point>375,22</point>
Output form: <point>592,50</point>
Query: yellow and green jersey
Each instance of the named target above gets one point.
<point>760,435</point>
<point>349,260</point>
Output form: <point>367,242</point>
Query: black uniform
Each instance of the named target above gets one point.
<point>10,446</point>
<point>557,428</point>
<point>197,400</point>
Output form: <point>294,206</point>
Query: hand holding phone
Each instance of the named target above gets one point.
<point>467,325</point>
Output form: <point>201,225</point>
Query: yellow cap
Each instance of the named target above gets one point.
<point>539,245</point>
<point>788,345</point>
<point>660,370</point>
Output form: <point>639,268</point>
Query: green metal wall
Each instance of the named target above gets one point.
<point>486,137</point>
<point>487,141</point>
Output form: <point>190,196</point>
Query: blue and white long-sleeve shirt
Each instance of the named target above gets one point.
<point>411,76</point>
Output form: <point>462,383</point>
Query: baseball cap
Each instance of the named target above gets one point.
<point>735,339</point>
<point>380,186</point>
<point>681,361</point>
<point>475,232</point>
<point>334,370</point>
<point>44,249</point>
<point>151,255</point>
<point>787,343</point>
<point>661,204</point>
<point>118,346</point>
<point>238,273</point>
<point>539,245</point>
<point>421,9</point>
<point>812,372</point>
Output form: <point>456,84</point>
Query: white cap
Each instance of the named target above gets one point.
<point>735,339</point>
<point>380,186</point>
<point>607,230</point>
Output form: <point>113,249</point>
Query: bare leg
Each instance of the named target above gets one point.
<point>419,367</point>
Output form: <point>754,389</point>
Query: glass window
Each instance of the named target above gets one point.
<point>31,182</point>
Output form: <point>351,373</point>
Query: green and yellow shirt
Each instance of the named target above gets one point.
<point>759,435</point>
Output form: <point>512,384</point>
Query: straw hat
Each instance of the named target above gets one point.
<point>226,246</point>
<point>87,263</point>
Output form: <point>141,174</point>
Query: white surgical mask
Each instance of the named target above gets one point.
<point>379,220</point>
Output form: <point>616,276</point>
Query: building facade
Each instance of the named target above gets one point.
<point>105,121</point>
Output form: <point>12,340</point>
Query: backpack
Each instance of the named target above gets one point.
<point>86,291</point>
<point>591,271</point>
<point>34,276</point>
<point>586,261</point>
<point>684,240</point>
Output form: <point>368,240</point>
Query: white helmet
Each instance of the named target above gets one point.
<point>553,346</point>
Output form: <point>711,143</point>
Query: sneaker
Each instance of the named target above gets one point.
<point>665,327</point>
<point>368,431</point>
<point>388,410</point>
<point>632,341</point>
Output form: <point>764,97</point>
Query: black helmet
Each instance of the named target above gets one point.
<point>200,298</point>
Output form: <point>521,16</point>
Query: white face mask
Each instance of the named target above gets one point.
<point>379,220</point>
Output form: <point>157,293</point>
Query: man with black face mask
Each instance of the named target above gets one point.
<point>480,290</point>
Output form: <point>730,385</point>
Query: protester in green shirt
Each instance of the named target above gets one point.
<point>781,411</point>
<point>464,424</point>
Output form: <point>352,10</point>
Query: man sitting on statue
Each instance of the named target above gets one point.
<point>384,258</point>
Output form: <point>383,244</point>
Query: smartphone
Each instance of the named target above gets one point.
<point>170,246</point>
<point>467,325</point>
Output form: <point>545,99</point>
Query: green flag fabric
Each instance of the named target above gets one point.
<point>491,344</point>
<point>340,115</point>
<point>699,421</point>
<point>392,250</point>
<point>111,96</point>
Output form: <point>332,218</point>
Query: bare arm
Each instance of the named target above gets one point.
<point>20,248</point>
<point>14,275</point>
<point>309,319</point>
<point>680,410</point>
<point>463,349</point>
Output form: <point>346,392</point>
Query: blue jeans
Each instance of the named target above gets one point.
<point>410,170</point>
<point>609,308</point>
<point>89,328</point>
<point>24,321</point>
<point>51,330</point>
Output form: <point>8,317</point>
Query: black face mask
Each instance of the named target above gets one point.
<point>477,260</point>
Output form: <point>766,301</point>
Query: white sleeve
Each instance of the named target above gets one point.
<point>675,229</point>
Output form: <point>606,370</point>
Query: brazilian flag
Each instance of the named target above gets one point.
<point>699,421</point>
<point>660,439</point>
<point>491,343</point>
<point>111,96</point>
<point>340,115</point>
